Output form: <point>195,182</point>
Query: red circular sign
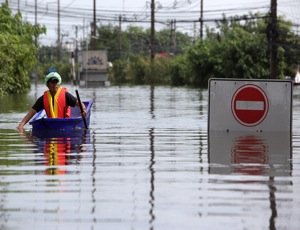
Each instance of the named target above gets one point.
<point>249,105</point>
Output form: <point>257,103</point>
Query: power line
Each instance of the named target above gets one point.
<point>184,11</point>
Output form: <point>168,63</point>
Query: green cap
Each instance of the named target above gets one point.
<point>53,75</point>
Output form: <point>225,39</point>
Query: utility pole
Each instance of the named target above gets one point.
<point>35,21</point>
<point>120,35</point>
<point>194,32</point>
<point>201,19</point>
<point>76,44</point>
<point>93,38</point>
<point>58,32</point>
<point>77,73</point>
<point>152,36</point>
<point>273,33</point>
<point>173,35</point>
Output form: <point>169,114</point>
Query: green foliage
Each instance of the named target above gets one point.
<point>179,71</point>
<point>137,70</point>
<point>289,47</point>
<point>63,68</point>
<point>47,56</point>
<point>235,49</point>
<point>118,72</point>
<point>17,52</point>
<point>140,70</point>
<point>160,73</point>
<point>135,41</point>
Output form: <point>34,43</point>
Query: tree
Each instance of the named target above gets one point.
<point>17,52</point>
<point>135,40</point>
<point>172,42</point>
<point>237,50</point>
<point>289,44</point>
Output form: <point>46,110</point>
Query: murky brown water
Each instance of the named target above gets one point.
<point>147,163</point>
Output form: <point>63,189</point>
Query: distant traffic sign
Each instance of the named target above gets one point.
<point>249,105</point>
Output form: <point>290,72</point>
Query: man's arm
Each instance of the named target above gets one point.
<point>72,101</point>
<point>27,117</point>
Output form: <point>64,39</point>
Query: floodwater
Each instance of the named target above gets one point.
<point>147,163</point>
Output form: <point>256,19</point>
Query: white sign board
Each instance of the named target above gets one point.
<point>250,105</point>
<point>94,60</point>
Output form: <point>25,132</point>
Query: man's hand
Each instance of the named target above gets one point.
<point>20,127</point>
<point>84,113</point>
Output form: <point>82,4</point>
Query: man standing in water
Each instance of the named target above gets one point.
<point>56,101</point>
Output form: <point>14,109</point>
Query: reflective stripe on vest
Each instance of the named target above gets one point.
<point>55,154</point>
<point>57,108</point>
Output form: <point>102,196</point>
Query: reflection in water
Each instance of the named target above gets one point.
<point>149,164</point>
<point>249,154</point>
<point>60,151</point>
<point>273,205</point>
<point>56,150</point>
<point>254,154</point>
<point>93,211</point>
<point>152,161</point>
<point>152,107</point>
<point>152,178</point>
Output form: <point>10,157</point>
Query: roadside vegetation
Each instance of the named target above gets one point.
<point>235,48</point>
<point>18,53</point>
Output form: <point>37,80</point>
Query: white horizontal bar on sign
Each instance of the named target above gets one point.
<point>249,105</point>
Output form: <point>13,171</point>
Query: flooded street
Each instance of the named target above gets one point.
<point>147,162</point>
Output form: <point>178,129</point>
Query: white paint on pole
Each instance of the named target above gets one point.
<point>250,105</point>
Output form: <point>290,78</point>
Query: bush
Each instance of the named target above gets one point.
<point>17,53</point>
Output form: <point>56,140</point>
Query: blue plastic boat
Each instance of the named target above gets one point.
<point>41,124</point>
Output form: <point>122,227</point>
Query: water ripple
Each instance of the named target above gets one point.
<point>148,162</point>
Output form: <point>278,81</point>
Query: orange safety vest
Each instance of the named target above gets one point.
<point>58,108</point>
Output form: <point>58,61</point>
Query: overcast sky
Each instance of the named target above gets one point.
<point>80,13</point>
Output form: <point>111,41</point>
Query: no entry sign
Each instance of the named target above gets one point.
<point>250,105</point>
